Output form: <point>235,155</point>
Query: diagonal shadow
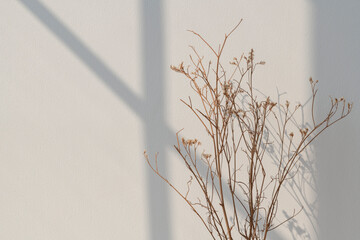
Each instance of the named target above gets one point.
<point>151,109</point>
<point>84,53</point>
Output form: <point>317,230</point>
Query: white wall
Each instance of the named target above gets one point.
<point>85,86</point>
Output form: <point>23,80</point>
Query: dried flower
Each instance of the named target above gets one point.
<point>206,156</point>
<point>238,121</point>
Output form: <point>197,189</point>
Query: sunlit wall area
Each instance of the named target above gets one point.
<point>280,32</point>
<point>70,120</point>
<point>85,87</point>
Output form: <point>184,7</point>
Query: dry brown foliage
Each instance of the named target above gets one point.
<point>242,126</point>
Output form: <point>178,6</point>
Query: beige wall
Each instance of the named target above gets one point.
<point>85,87</point>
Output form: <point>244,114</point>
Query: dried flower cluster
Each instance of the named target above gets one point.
<point>240,188</point>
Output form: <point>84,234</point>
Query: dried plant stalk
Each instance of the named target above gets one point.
<point>242,126</point>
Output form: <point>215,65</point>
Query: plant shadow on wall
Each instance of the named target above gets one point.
<point>256,147</point>
<point>302,190</point>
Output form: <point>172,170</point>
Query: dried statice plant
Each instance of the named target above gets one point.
<point>239,186</point>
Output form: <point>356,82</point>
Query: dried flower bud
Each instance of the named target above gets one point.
<point>206,155</point>
<point>304,132</point>
<point>268,100</point>
<point>287,104</point>
<point>179,69</point>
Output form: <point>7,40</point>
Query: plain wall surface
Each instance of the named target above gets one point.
<point>337,59</point>
<point>85,87</point>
